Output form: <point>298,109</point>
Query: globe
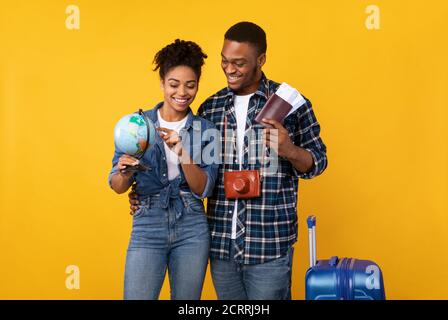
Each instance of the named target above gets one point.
<point>133,135</point>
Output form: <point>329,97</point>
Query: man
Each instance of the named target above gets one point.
<point>252,239</point>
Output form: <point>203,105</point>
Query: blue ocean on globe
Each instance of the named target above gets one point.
<point>131,135</point>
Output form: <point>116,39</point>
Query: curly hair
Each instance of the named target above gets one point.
<point>179,53</point>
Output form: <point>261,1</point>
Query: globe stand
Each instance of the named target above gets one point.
<point>136,168</point>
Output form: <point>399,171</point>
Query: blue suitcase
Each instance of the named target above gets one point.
<point>341,278</point>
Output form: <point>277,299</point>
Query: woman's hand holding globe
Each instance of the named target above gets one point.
<point>124,162</point>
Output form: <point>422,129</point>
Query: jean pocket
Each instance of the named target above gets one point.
<point>142,209</point>
<point>192,204</point>
<point>283,261</point>
<point>138,213</point>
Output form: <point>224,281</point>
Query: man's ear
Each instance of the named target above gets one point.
<point>261,60</point>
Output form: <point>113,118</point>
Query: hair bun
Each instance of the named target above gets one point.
<point>179,53</point>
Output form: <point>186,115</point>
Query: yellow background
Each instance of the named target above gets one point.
<point>380,96</point>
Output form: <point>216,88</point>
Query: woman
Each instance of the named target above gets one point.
<point>170,230</point>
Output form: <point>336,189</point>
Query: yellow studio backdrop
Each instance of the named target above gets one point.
<point>379,94</point>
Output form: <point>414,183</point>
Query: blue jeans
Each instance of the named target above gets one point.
<point>265,281</point>
<point>159,243</point>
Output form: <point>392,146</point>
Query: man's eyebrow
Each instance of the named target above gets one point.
<point>237,59</point>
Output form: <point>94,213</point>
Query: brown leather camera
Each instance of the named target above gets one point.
<point>243,184</point>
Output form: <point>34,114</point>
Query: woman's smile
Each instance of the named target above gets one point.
<point>181,101</point>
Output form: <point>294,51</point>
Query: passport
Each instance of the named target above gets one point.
<point>281,104</point>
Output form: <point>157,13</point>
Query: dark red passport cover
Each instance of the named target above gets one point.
<point>275,108</point>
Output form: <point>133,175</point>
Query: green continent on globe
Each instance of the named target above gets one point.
<point>138,120</point>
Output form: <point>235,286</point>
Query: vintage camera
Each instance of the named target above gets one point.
<point>243,184</point>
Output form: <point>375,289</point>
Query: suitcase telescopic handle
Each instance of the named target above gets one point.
<point>312,239</point>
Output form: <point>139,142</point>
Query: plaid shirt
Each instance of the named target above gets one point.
<point>266,225</point>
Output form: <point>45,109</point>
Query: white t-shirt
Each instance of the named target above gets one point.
<point>241,104</point>
<point>172,159</point>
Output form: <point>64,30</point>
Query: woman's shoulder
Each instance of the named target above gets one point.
<point>148,109</point>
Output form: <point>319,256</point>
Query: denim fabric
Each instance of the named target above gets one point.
<point>155,180</point>
<point>161,242</point>
<point>264,281</point>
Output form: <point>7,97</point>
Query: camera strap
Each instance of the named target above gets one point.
<point>225,150</point>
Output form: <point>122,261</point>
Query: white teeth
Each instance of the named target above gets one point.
<point>180,100</point>
<point>233,78</point>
